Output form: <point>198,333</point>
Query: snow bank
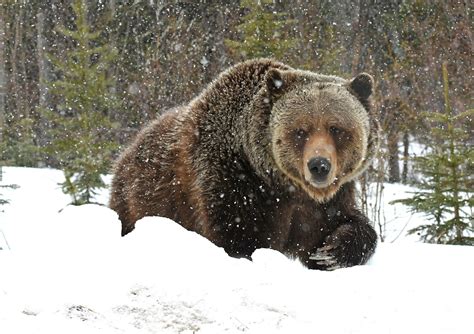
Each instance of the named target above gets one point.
<point>71,272</point>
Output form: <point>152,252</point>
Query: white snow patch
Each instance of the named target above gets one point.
<point>71,272</point>
<point>277,83</point>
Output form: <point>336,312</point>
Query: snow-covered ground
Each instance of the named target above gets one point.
<point>71,272</point>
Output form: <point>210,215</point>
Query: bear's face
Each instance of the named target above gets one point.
<point>319,130</point>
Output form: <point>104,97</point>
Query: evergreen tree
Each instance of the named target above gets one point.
<point>2,201</point>
<point>3,186</point>
<point>263,32</point>
<point>445,192</point>
<point>81,129</point>
<point>20,148</point>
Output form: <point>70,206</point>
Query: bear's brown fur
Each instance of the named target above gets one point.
<point>265,157</point>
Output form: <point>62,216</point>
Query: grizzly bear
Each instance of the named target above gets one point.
<point>265,157</point>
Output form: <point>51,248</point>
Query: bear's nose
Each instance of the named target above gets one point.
<point>319,168</point>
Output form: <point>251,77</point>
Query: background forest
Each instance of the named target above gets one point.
<point>79,78</point>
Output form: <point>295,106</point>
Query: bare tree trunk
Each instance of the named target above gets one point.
<point>14,76</point>
<point>3,82</point>
<point>112,6</point>
<point>363,31</point>
<point>378,207</point>
<point>42,70</point>
<point>43,78</point>
<point>392,145</point>
<point>406,144</point>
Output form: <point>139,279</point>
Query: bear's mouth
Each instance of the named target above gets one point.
<point>321,185</point>
<point>321,191</point>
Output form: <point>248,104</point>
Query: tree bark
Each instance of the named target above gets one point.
<point>392,145</point>
<point>42,70</point>
<point>406,156</point>
<point>3,82</point>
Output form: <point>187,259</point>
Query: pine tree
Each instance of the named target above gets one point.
<point>2,201</point>
<point>20,148</point>
<point>4,186</point>
<point>81,129</point>
<point>263,32</point>
<point>446,191</point>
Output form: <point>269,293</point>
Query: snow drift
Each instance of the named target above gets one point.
<point>71,272</point>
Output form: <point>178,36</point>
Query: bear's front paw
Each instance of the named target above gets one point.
<point>347,246</point>
<point>327,258</point>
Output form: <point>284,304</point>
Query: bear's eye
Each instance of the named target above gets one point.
<point>340,135</point>
<point>335,130</point>
<point>301,134</point>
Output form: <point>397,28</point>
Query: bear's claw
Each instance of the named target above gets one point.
<point>325,260</point>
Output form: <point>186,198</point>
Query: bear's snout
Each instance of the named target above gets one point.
<point>319,168</point>
<point>320,160</point>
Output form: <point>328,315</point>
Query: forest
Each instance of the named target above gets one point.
<point>79,78</point>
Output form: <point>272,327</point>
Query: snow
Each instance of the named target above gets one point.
<point>71,272</point>
<point>277,83</point>
<point>395,219</point>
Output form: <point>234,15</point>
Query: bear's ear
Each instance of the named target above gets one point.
<point>362,86</point>
<point>278,81</point>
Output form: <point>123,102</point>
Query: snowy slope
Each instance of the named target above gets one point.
<point>71,272</point>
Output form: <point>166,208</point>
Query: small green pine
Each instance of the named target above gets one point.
<point>82,133</point>
<point>445,192</point>
<point>263,32</point>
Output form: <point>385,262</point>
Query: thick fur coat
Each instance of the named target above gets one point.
<point>234,165</point>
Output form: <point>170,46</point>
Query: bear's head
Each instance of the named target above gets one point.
<point>322,133</point>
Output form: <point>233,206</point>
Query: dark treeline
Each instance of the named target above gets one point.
<point>165,52</point>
